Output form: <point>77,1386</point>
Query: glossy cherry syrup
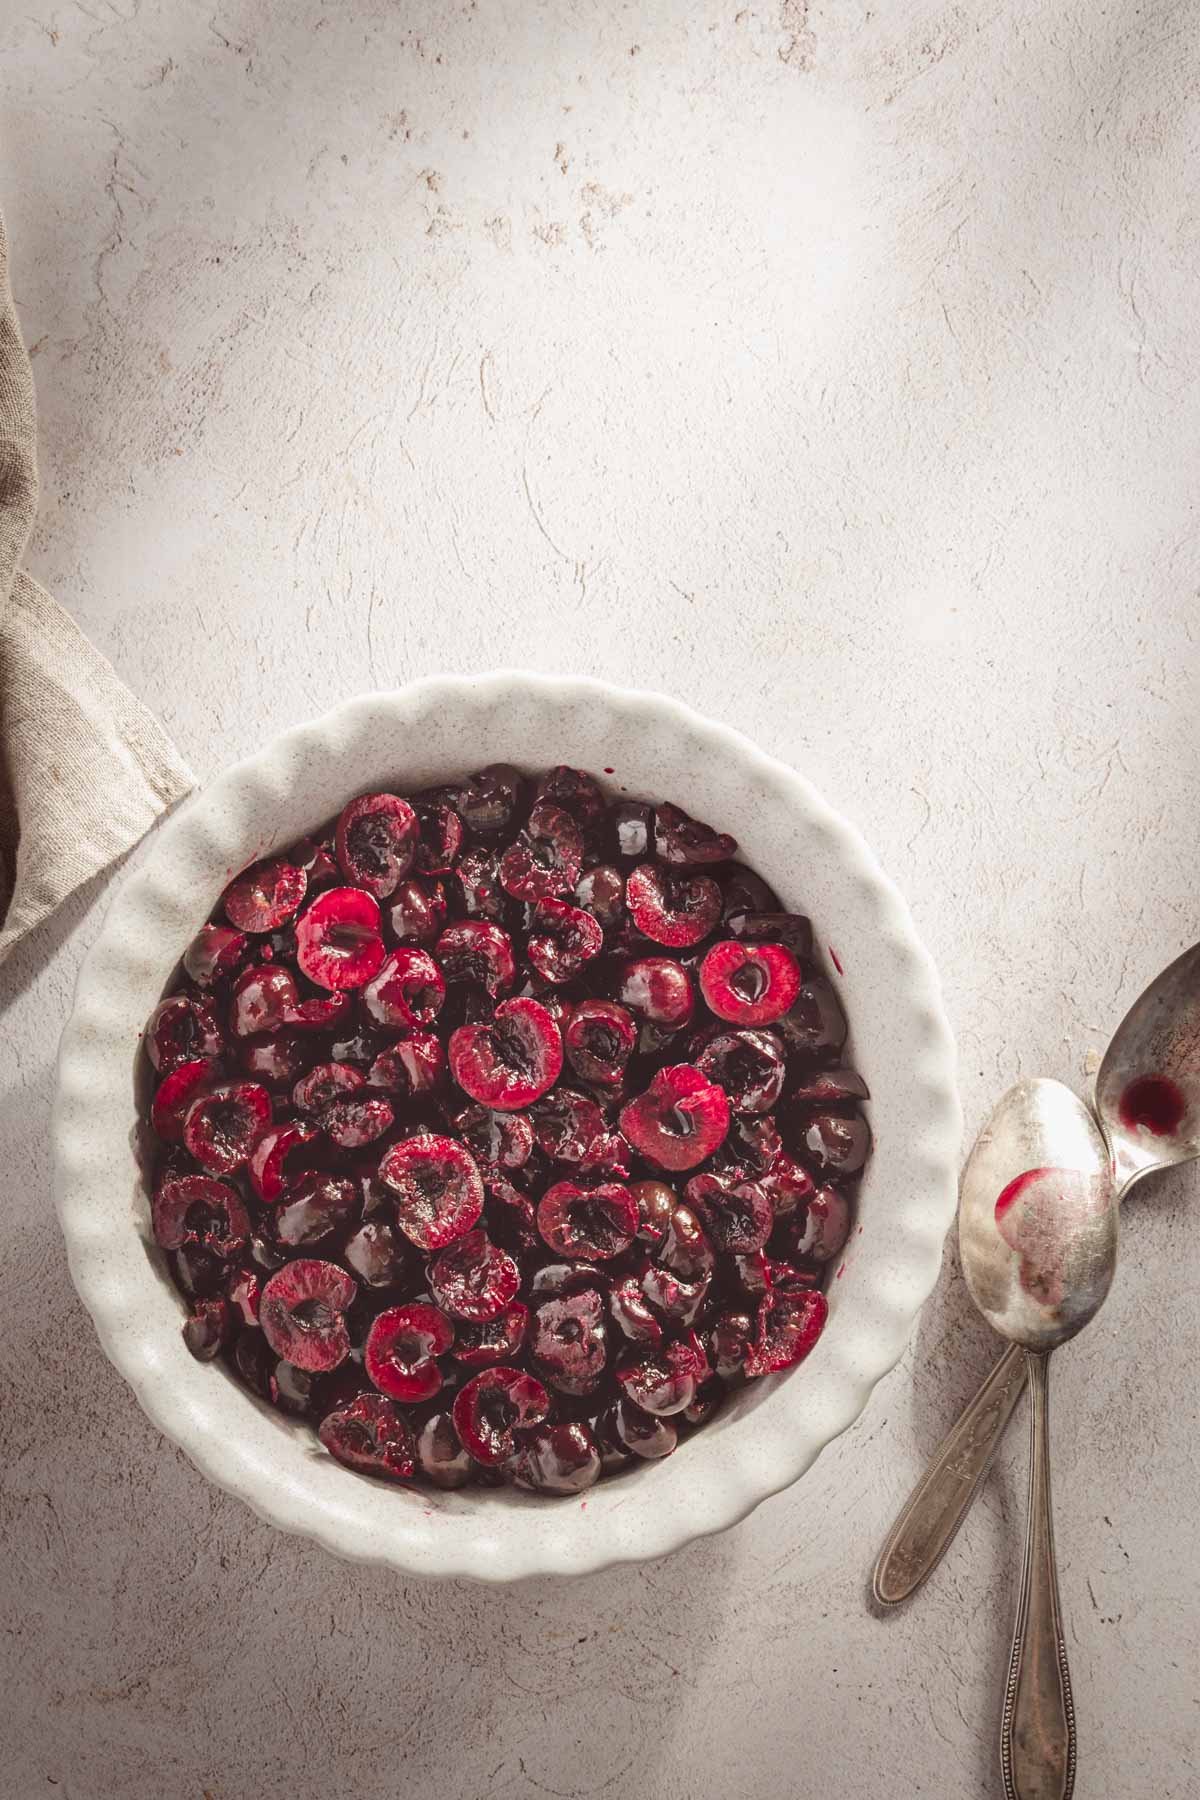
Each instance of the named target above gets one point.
<point>1152,1103</point>
<point>483,1112</point>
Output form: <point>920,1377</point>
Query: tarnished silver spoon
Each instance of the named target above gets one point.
<point>1148,1101</point>
<point>1037,1234</point>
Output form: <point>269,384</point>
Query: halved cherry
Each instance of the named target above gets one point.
<point>599,1038</point>
<point>655,1203</point>
<point>175,1093</point>
<point>244,1292</point>
<point>325,1083</point>
<point>749,984</point>
<point>608,1157</point>
<point>440,843</point>
<point>418,911</point>
<point>370,1435</point>
<point>492,1340</point>
<point>753,1144</point>
<point>408,990</point>
<point>672,909</point>
<point>686,1249</point>
<point>737,1215</point>
<point>511,1061</point>
<point>195,1209</point>
<point>815,1023</point>
<point>357,1120</point>
<point>569,1341</point>
<point>490,800</point>
<point>830,1087</point>
<point>472,1279</point>
<point>443,1460</point>
<point>263,996</point>
<point>601,892</point>
<point>645,1435</point>
<point>512,1216</point>
<point>379,1253</point>
<point>265,896</point>
<point>792,930</point>
<point>786,1184</point>
<point>322,1012</point>
<point>576,792</point>
<point>631,1313</point>
<point>662,1382</point>
<point>276,1059</point>
<point>302,1313</point>
<point>677,1300</point>
<point>659,990</point>
<point>592,1223</point>
<point>209,1328</point>
<point>492,1407</point>
<point>317,858</point>
<point>825,1226</point>
<point>376,841</point>
<point>214,953</point>
<point>338,944</point>
<point>746,892</point>
<point>557,1459</point>
<point>402,1349</point>
<point>180,1030</point>
<point>271,1158</point>
<point>836,1143</point>
<point>316,1207</point>
<point>496,1140</point>
<point>730,1342</point>
<point>223,1124</point>
<point>686,841</point>
<point>679,1120</point>
<point>546,858</point>
<point>566,1125</point>
<point>479,952</point>
<point>789,1324</point>
<point>478,875</point>
<point>439,1192</point>
<point>749,1065</point>
<point>414,1064</point>
<point>562,939</point>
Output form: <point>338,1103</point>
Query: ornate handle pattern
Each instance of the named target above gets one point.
<point>942,1498</point>
<point>1037,1733</point>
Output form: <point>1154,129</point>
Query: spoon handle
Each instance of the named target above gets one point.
<point>1037,1733</point>
<point>942,1498</point>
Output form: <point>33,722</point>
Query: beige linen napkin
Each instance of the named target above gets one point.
<point>84,769</point>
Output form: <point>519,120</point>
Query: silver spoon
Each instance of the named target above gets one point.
<point>1148,1100</point>
<point>1037,1233</point>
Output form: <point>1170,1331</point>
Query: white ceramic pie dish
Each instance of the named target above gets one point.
<point>427,732</point>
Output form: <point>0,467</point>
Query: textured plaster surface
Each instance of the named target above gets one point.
<point>834,367</point>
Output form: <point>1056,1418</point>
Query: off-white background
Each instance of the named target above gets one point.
<point>835,368</point>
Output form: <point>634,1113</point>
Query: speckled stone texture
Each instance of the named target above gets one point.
<point>833,367</point>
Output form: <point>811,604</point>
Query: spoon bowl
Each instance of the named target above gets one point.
<point>1037,1220</point>
<point>1148,1085</point>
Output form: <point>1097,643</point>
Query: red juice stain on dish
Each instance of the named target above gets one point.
<point>1028,1215</point>
<point>837,965</point>
<point>1152,1103</point>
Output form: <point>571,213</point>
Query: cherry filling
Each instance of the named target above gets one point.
<point>502,1130</point>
